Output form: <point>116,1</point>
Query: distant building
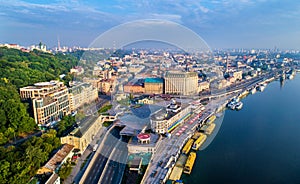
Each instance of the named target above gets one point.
<point>94,81</point>
<point>238,75</point>
<point>135,86</point>
<point>181,83</point>
<point>202,86</point>
<point>77,70</point>
<point>50,101</point>
<point>40,47</point>
<point>11,46</point>
<point>107,85</point>
<point>154,85</point>
<point>102,73</point>
<point>80,94</point>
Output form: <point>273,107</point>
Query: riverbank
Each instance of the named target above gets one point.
<point>257,144</point>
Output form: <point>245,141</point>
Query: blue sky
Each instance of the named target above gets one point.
<point>222,24</point>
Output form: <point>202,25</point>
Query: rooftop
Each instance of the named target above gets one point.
<point>154,139</point>
<point>154,80</point>
<point>84,126</point>
<point>59,157</point>
<point>137,119</point>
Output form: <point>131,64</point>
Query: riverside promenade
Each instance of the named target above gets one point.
<point>169,149</point>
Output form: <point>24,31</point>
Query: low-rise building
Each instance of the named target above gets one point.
<point>136,164</point>
<point>94,81</point>
<point>106,85</point>
<point>57,160</point>
<point>154,85</point>
<point>238,75</point>
<point>80,94</point>
<point>202,86</point>
<point>77,70</point>
<point>135,145</point>
<point>82,136</point>
<point>136,86</point>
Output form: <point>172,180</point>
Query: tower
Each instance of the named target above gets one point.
<point>58,44</point>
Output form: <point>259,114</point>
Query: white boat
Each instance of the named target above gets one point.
<point>261,87</point>
<point>231,105</point>
<point>239,106</point>
<point>253,91</point>
<point>290,77</point>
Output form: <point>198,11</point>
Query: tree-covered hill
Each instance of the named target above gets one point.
<point>22,68</point>
<point>19,69</point>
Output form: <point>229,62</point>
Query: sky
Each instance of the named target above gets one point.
<point>222,24</point>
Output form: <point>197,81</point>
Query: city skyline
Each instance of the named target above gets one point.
<point>222,24</point>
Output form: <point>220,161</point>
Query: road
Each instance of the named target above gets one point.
<point>101,156</point>
<point>113,171</point>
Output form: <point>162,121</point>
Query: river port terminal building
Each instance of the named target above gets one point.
<point>168,118</point>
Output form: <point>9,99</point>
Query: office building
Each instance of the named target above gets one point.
<point>49,100</point>
<point>181,83</point>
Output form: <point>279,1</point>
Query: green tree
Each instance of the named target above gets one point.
<point>65,170</point>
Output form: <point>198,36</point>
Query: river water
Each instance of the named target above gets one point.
<point>258,144</point>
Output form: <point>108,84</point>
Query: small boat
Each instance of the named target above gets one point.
<point>253,91</point>
<point>261,87</point>
<point>290,77</point>
<point>239,106</point>
<point>231,105</point>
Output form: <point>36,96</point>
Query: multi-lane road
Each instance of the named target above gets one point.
<point>115,166</point>
<point>109,160</point>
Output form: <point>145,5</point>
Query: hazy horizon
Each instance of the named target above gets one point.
<point>222,24</point>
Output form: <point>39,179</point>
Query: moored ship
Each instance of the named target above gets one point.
<point>189,163</point>
<point>187,147</point>
<point>196,135</point>
<point>210,128</point>
<point>199,141</point>
<point>211,119</point>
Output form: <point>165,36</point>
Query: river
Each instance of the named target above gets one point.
<point>258,144</point>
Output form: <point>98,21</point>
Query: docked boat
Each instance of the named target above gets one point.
<point>239,106</point>
<point>261,87</point>
<point>196,135</point>
<point>211,119</point>
<point>210,128</point>
<point>235,104</point>
<point>187,147</point>
<point>199,141</point>
<point>178,182</point>
<point>253,91</point>
<point>290,76</point>
<point>231,105</point>
<point>189,163</point>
